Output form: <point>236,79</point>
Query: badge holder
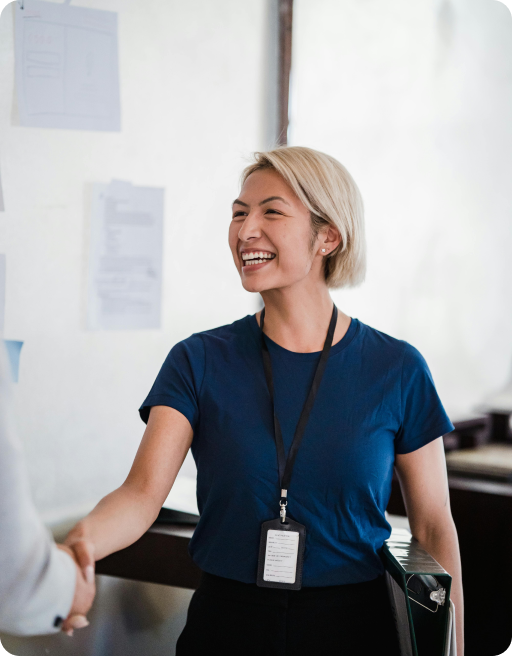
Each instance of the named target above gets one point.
<point>281,554</point>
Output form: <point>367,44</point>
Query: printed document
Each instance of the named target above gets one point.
<point>125,261</point>
<point>66,66</point>
<point>281,556</point>
<point>2,293</point>
<point>2,206</point>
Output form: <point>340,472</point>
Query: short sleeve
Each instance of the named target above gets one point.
<point>179,381</point>
<point>423,417</point>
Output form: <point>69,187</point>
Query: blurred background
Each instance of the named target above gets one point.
<point>414,98</point>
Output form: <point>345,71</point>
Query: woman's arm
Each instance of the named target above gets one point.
<point>125,514</point>
<point>424,482</point>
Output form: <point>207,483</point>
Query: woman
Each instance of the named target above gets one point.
<point>236,393</point>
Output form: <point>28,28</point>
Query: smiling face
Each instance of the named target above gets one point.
<point>270,235</point>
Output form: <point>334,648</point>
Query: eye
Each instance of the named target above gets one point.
<point>271,211</point>
<point>238,214</point>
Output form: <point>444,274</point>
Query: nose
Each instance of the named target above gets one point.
<point>251,228</point>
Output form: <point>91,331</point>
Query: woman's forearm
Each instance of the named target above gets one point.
<point>442,543</point>
<point>125,514</point>
<point>117,521</point>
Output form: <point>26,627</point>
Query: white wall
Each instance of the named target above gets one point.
<point>415,98</point>
<point>193,103</point>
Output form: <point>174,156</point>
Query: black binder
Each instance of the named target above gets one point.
<point>419,591</point>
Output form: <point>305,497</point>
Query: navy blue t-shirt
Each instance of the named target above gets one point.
<point>376,398</point>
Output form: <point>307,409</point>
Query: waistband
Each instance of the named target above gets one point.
<point>345,595</point>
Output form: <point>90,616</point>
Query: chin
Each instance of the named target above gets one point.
<point>252,284</point>
<point>256,286</point>
<point>253,287</point>
<point>258,283</point>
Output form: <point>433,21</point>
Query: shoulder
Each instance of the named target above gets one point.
<point>377,340</point>
<point>214,338</point>
<point>240,329</point>
<point>391,348</point>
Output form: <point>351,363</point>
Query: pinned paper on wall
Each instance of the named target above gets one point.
<point>66,66</point>
<point>125,262</point>
<point>2,293</point>
<point>2,206</point>
<point>13,351</point>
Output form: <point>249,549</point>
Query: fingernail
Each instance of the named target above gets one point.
<point>89,574</point>
<point>78,621</point>
<point>69,632</point>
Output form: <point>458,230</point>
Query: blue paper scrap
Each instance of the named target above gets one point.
<point>13,351</point>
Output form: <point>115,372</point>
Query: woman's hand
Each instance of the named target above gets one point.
<point>85,588</point>
<point>424,483</point>
<point>83,550</point>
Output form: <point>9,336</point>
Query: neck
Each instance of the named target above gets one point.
<point>298,319</point>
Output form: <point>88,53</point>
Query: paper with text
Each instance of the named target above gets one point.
<point>2,205</point>
<point>2,293</point>
<point>281,556</point>
<point>125,263</point>
<point>67,71</point>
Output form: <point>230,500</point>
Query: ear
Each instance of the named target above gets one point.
<point>329,238</point>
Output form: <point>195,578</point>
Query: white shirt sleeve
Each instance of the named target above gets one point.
<point>37,580</point>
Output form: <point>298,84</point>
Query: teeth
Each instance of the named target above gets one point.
<point>257,256</point>
<point>251,262</point>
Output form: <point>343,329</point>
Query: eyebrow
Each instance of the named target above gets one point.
<point>267,200</point>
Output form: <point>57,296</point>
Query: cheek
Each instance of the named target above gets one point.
<point>233,237</point>
<point>294,252</point>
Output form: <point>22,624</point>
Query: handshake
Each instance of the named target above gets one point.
<point>82,553</point>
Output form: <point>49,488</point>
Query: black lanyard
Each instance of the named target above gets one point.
<point>286,464</point>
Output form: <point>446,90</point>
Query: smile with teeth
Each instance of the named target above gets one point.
<point>257,258</point>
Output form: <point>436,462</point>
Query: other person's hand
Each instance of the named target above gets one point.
<point>85,588</point>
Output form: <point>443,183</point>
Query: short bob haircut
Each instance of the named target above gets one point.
<point>330,194</point>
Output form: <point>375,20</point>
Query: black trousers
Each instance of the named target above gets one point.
<point>227,617</point>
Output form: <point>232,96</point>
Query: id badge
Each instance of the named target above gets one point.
<point>281,554</point>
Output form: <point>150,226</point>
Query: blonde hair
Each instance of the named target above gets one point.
<point>330,194</point>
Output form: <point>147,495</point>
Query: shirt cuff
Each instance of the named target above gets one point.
<point>170,401</point>
<point>52,598</point>
<point>424,438</point>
